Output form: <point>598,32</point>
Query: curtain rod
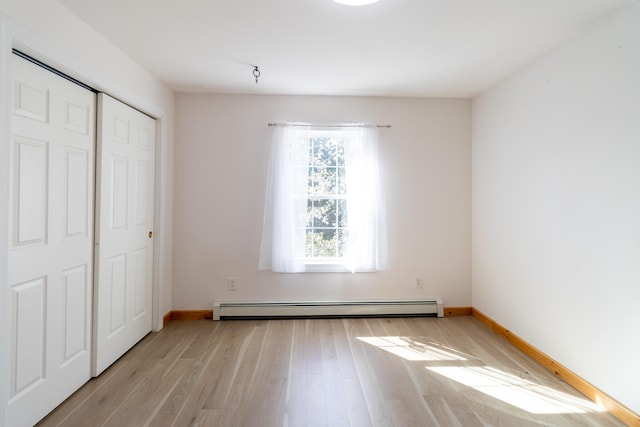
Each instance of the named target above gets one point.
<point>331,125</point>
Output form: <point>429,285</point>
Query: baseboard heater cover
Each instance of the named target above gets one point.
<point>290,309</point>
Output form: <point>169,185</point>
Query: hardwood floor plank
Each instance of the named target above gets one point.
<point>197,354</point>
<point>268,393</point>
<point>464,412</point>
<point>366,368</point>
<point>400,356</point>
<point>242,368</point>
<point>149,396</point>
<point>442,412</point>
<point>185,389</point>
<point>354,399</point>
<point>209,417</point>
<point>212,382</point>
<point>295,391</point>
<point>330,372</point>
<point>334,392</point>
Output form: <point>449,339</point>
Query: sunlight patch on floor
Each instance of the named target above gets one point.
<point>411,349</point>
<point>511,389</point>
<point>516,391</point>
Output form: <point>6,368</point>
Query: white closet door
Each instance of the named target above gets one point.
<point>51,240</point>
<point>124,244</point>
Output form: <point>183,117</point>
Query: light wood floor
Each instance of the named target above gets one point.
<point>327,372</point>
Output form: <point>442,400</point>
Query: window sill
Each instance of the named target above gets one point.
<point>323,267</point>
<point>331,267</point>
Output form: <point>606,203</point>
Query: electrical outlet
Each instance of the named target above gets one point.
<point>232,283</point>
<point>419,283</point>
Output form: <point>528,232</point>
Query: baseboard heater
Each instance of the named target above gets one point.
<point>288,309</point>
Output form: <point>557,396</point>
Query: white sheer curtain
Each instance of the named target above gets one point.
<point>283,235</point>
<point>367,244</point>
<point>285,210</point>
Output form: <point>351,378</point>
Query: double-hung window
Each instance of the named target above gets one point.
<point>324,209</point>
<point>326,228</point>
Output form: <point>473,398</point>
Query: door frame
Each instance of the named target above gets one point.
<point>15,36</point>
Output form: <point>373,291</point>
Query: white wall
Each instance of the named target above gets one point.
<point>222,146</point>
<point>49,32</point>
<point>556,205</point>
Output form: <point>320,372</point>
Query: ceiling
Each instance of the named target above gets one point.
<point>417,48</point>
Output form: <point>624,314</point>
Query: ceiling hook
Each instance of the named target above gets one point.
<point>256,73</point>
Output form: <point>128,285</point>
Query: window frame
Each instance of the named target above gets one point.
<point>323,263</point>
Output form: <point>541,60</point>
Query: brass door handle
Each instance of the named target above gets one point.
<point>150,234</point>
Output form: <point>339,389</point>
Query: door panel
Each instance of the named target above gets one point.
<point>124,247</point>
<point>31,178</point>
<point>50,253</point>
<point>75,289</point>
<point>77,197</point>
<point>28,355</point>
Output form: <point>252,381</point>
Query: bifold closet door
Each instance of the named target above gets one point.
<point>51,240</point>
<point>124,227</point>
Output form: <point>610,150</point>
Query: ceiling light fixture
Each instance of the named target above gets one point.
<point>355,2</point>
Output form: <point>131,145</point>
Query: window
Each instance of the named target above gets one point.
<point>323,207</point>
<point>326,229</point>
